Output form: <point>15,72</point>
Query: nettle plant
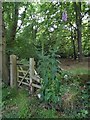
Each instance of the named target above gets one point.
<point>48,69</point>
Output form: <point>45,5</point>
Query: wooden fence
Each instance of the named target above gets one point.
<point>22,74</point>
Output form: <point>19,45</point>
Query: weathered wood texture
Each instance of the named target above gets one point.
<point>13,71</point>
<point>31,70</point>
<point>26,75</point>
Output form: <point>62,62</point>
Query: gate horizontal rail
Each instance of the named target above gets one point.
<point>24,74</point>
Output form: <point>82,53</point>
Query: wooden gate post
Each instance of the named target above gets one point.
<point>13,71</point>
<point>31,72</point>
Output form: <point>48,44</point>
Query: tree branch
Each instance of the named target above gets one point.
<point>72,25</point>
<point>23,17</point>
<point>85,13</point>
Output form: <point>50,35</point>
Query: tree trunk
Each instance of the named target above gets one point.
<point>14,25</point>
<point>3,67</point>
<point>77,7</point>
<point>10,38</point>
<point>0,42</point>
<point>73,44</point>
<point>5,58</point>
<point>5,71</point>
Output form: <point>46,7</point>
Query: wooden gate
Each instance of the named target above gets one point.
<point>24,74</point>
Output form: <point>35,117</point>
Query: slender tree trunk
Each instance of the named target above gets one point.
<point>77,7</point>
<point>14,25</point>
<point>0,42</point>
<point>5,65</point>
<point>73,44</point>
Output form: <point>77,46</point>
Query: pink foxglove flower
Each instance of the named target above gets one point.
<point>64,16</point>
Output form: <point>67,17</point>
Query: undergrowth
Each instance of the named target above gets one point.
<point>19,104</point>
<point>63,95</point>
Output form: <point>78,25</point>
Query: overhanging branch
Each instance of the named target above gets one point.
<point>23,17</point>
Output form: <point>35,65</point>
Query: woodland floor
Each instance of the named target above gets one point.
<point>16,105</point>
<point>69,64</point>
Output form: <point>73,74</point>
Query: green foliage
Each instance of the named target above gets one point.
<point>83,113</point>
<point>37,109</point>
<point>23,49</point>
<point>15,103</point>
<point>8,93</point>
<point>50,84</point>
<point>62,88</point>
<point>41,30</point>
<point>22,103</point>
<point>51,113</point>
<point>80,71</point>
<point>8,96</point>
<point>35,32</point>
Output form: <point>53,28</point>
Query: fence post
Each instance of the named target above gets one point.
<point>31,72</point>
<point>13,71</point>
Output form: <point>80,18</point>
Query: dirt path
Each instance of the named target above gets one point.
<point>68,64</point>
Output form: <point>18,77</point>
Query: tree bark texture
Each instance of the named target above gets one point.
<point>77,7</point>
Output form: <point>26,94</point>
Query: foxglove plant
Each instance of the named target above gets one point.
<point>64,16</point>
